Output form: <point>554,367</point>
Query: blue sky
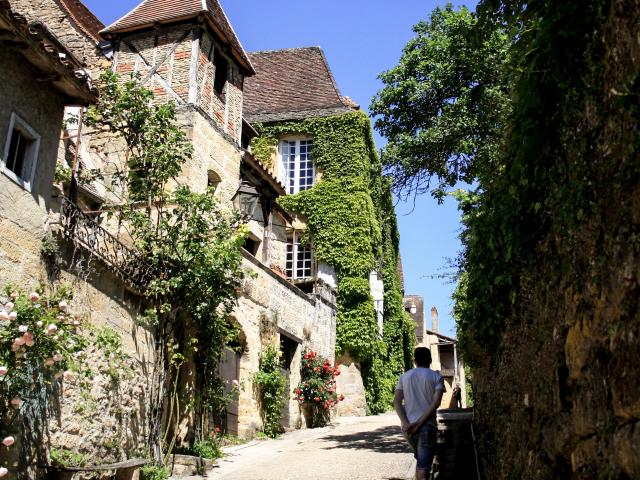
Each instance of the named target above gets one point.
<point>361,38</point>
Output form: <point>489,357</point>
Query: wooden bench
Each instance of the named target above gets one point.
<point>127,470</point>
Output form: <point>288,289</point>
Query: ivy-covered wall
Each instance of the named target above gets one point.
<point>350,217</point>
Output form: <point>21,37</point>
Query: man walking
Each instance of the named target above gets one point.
<point>421,391</point>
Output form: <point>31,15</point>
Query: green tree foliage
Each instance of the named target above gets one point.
<point>191,246</point>
<point>542,302</point>
<point>443,107</point>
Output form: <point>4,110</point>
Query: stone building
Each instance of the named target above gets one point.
<point>193,58</point>
<point>292,89</point>
<point>444,353</point>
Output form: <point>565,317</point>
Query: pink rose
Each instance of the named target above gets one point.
<point>28,339</point>
<point>3,370</point>
<point>34,296</point>
<point>13,316</point>
<point>8,441</point>
<point>15,402</point>
<point>4,315</point>
<point>63,305</point>
<point>51,329</point>
<point>9,306</point>
<point>19,341</point>
<point>68,375</point>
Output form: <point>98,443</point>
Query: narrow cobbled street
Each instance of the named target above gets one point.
<point>354,448</point>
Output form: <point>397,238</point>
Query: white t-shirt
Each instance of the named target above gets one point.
<point>418,386</point>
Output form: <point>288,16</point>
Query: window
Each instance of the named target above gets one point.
<point>299,259</point>
<point>297,164</point>
<point>20,152</point>
<point>222,70</point>
<point>251,245</point>
<point>213,181</point>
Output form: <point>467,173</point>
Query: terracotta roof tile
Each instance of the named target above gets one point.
<point>83,18</point>
<point>290,84</point>
<point>42,49</point>
<point>151,12</point>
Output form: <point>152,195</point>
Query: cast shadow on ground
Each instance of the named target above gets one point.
<point>383,440</point>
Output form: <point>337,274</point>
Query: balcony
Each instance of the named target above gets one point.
<point>85,232</point>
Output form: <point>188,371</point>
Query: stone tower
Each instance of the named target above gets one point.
<point>187,52</point>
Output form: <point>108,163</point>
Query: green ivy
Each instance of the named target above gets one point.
<point>272,388</point>
<point>350,217</point>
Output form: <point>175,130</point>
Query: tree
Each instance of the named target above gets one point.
<point>192,247</point>
<point>443,107</point>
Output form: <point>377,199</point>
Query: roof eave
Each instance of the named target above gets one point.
<point>47,55</point>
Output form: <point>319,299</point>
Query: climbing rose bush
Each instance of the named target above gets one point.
<point>38,341</point>
<point>317,390</point>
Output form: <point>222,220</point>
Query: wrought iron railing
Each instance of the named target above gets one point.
<point>84,231</point>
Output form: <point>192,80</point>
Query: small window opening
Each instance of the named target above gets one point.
<point>222,71</point>
<point>213,181</point>
<point>20,152</point>
<point>251,245</point>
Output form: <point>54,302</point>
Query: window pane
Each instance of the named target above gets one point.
<point>17,152</point>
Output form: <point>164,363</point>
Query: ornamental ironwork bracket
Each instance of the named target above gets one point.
<point>85,232</point>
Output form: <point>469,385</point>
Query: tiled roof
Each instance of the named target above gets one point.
<point>83,18</point>
<point>154,12</point>
<point>291,84</point>
<point>53,62</point>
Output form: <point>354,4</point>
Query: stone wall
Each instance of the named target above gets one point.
<point>23,213</point>
<point>559,397</point>
<point>350,385</point>
<point>307,318</point>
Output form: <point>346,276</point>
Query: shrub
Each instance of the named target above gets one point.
<point>153,472</point>
<point>272,386</point>
<point>317,390</point>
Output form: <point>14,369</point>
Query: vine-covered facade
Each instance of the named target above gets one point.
<point>346,215</point>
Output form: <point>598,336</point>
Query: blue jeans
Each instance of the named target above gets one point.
<point>423,444</point>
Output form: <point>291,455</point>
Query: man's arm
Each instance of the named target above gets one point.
<point>397,403</point>
<point>437,399</point>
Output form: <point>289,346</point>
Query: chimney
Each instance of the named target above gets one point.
<point>434,319</point>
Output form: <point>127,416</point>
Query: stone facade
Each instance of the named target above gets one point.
<point>306,319</point>
<point>97,413</point>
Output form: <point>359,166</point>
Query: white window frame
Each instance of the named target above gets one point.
<point>31,155</point>
<point>295,249</point>
<point>293,184</point>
